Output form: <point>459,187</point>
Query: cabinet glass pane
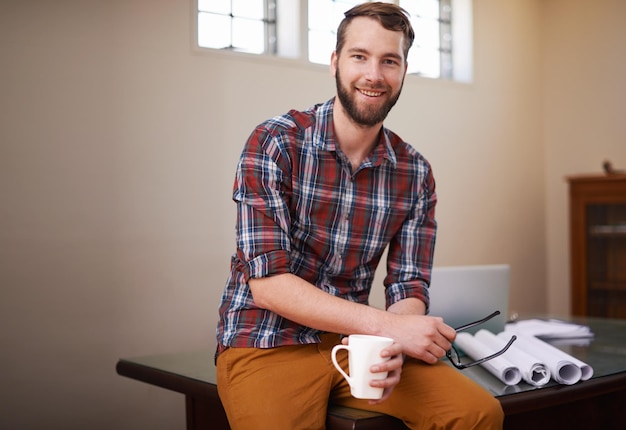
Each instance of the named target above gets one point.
<point>606,260</point>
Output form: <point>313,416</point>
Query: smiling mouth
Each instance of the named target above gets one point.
<point>370,93</point>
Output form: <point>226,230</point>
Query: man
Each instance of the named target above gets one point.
<point>320,194</point>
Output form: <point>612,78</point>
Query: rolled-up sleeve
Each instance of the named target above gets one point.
<point>261,191</point>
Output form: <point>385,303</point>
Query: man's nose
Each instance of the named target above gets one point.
<point>374,72</point>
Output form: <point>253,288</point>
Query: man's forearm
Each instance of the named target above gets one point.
<point>410,306</point>
<point>423,337</point>
<point>297,300</point>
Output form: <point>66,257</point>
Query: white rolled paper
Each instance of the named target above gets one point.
<point>502,368</point>
<point>494,385</point>
<point>564,368</point>
<point>533,371</point>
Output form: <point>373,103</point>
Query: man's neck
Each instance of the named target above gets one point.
<point>356,141</point>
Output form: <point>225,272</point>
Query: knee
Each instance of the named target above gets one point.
<point>488,415</point>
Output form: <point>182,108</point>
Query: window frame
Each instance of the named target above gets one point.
<point>463,57</point>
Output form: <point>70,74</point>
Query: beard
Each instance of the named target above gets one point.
<point>369,115</point>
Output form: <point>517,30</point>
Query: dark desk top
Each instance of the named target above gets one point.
<point>193,373</point>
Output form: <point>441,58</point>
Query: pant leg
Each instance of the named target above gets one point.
<point>435,397</point>
<point>284,388</point>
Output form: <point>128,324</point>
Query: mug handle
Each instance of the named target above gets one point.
<point>333,356</point>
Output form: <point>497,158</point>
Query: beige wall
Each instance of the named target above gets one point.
<point>118,144</point>
<point>584,99</point>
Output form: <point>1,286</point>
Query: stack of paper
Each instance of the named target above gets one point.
<point>529,357</point>
<point>550,329</point>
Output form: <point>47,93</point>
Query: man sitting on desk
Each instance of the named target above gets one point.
<point>320,194</point>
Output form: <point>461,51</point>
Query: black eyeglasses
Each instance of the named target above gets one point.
<point>455,357</point>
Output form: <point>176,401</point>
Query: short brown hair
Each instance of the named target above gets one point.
<point>390,16</point>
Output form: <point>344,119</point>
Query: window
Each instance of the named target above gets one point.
<point>306,30</point>
<point>239,25</point>
<point>431,52</point>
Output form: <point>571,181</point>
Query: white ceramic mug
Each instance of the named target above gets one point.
<point>363,352</point>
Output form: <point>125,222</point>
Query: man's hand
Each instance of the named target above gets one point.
<point>423,337</point>
<point>394,368</point>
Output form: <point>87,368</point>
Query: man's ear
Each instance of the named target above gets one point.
<point>333,63</point>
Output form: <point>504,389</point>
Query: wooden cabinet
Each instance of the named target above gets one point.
<point>598,245</point>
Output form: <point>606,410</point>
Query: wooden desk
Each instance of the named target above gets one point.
<point>594,404</point>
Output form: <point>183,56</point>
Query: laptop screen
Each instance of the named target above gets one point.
<point>462,294</point>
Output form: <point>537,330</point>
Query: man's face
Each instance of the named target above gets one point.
<point>369,71</point>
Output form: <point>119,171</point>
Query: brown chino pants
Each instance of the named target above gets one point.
<point>290,387</point>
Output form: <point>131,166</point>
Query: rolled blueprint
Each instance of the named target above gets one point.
<point>502,368</point>
<point>533,371</point>
<point>564,368</point>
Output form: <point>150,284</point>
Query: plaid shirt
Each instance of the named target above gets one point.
<point>301,209</point>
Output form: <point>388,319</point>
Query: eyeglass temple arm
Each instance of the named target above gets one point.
<point>497,354</point>
<point>475,323</point>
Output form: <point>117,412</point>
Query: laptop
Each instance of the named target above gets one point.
<point>463,294</point>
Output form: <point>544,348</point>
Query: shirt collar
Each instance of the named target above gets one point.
<point>324,136</point>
